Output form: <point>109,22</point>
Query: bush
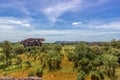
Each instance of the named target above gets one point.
<point>19,48</point>
<point>19,60</point>
<point>31,74</point>
<point>39,72</point>
<point>28,64</point>
<point>81,75</point>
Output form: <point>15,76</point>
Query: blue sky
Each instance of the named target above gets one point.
<point>57,20</point>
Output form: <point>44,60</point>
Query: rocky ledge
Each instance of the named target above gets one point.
<point>25,78</point>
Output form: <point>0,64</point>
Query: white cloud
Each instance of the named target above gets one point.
<point>19,23</point>
<point>105,25</point>
<point>13,21</point>
<point>14,30</point>
<point>111,25</point>
<point>54,35</point>
<point>56,10</point>
<point>76,23</point>
<point>5,28</point>
<point>52,9</point>
<point>99,24</point>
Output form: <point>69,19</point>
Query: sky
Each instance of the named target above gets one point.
<point>59,20</point>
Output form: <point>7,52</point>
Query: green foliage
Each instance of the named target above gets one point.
<point>43,57</point>
<point>58,47</point>
<point>45,48</point>
<point>110,60</point>
<point>70,55</point>
<point>51,56</point>
<point>82,51</point>
<point>96,50</point>
<point>81,48</point>
<point>95,75</point>
<point>111,63</point>
<point>2,58</point>
<point>31,74</point>
<point>54,60</point>
<point>115,43</point>
<point>81,75</point>
<point>19,48</point>
<point>95,61</point>
<point>28,64</point>
<point>0,44</point>
<point>85,65</point>
<point>19,60</point>
<point>33,49</point>
<point>7,48</point>
<point>91,59</point>
<point>39,72</point>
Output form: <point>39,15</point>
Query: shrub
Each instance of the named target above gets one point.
<point>81,75</point>
<point>31,74</point>
<point>39,72</point>
<point>28,64</point>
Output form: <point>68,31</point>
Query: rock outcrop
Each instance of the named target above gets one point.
<point>26,78</point>
<point>32,42</point>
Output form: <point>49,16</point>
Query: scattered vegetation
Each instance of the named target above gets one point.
<point>79,61</point>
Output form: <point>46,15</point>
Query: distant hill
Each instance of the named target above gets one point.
<point>75,42</point>
<point>67,42</point>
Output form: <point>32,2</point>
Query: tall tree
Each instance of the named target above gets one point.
<point>111,63</point>
<point>7,50</point>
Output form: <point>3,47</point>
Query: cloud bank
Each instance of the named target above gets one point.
<point>56,20</point>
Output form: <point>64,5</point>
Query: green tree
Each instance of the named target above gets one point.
<point>54,60</point>
<point>19,48</point>
<point>111,63</point>
<point>115,43</point>
<point>96,50</point>
<point>7,50</point>
<point>82,51</point>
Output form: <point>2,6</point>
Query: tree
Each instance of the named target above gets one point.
<point>115,43</point>
<point>87,59</point>
<point>7,50</point>
<point>96,50</point>
<point>54,60</point>
<point>85,65</point>
<point>111,63</point>
<point>81,51</point>
<point>19,48</point>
